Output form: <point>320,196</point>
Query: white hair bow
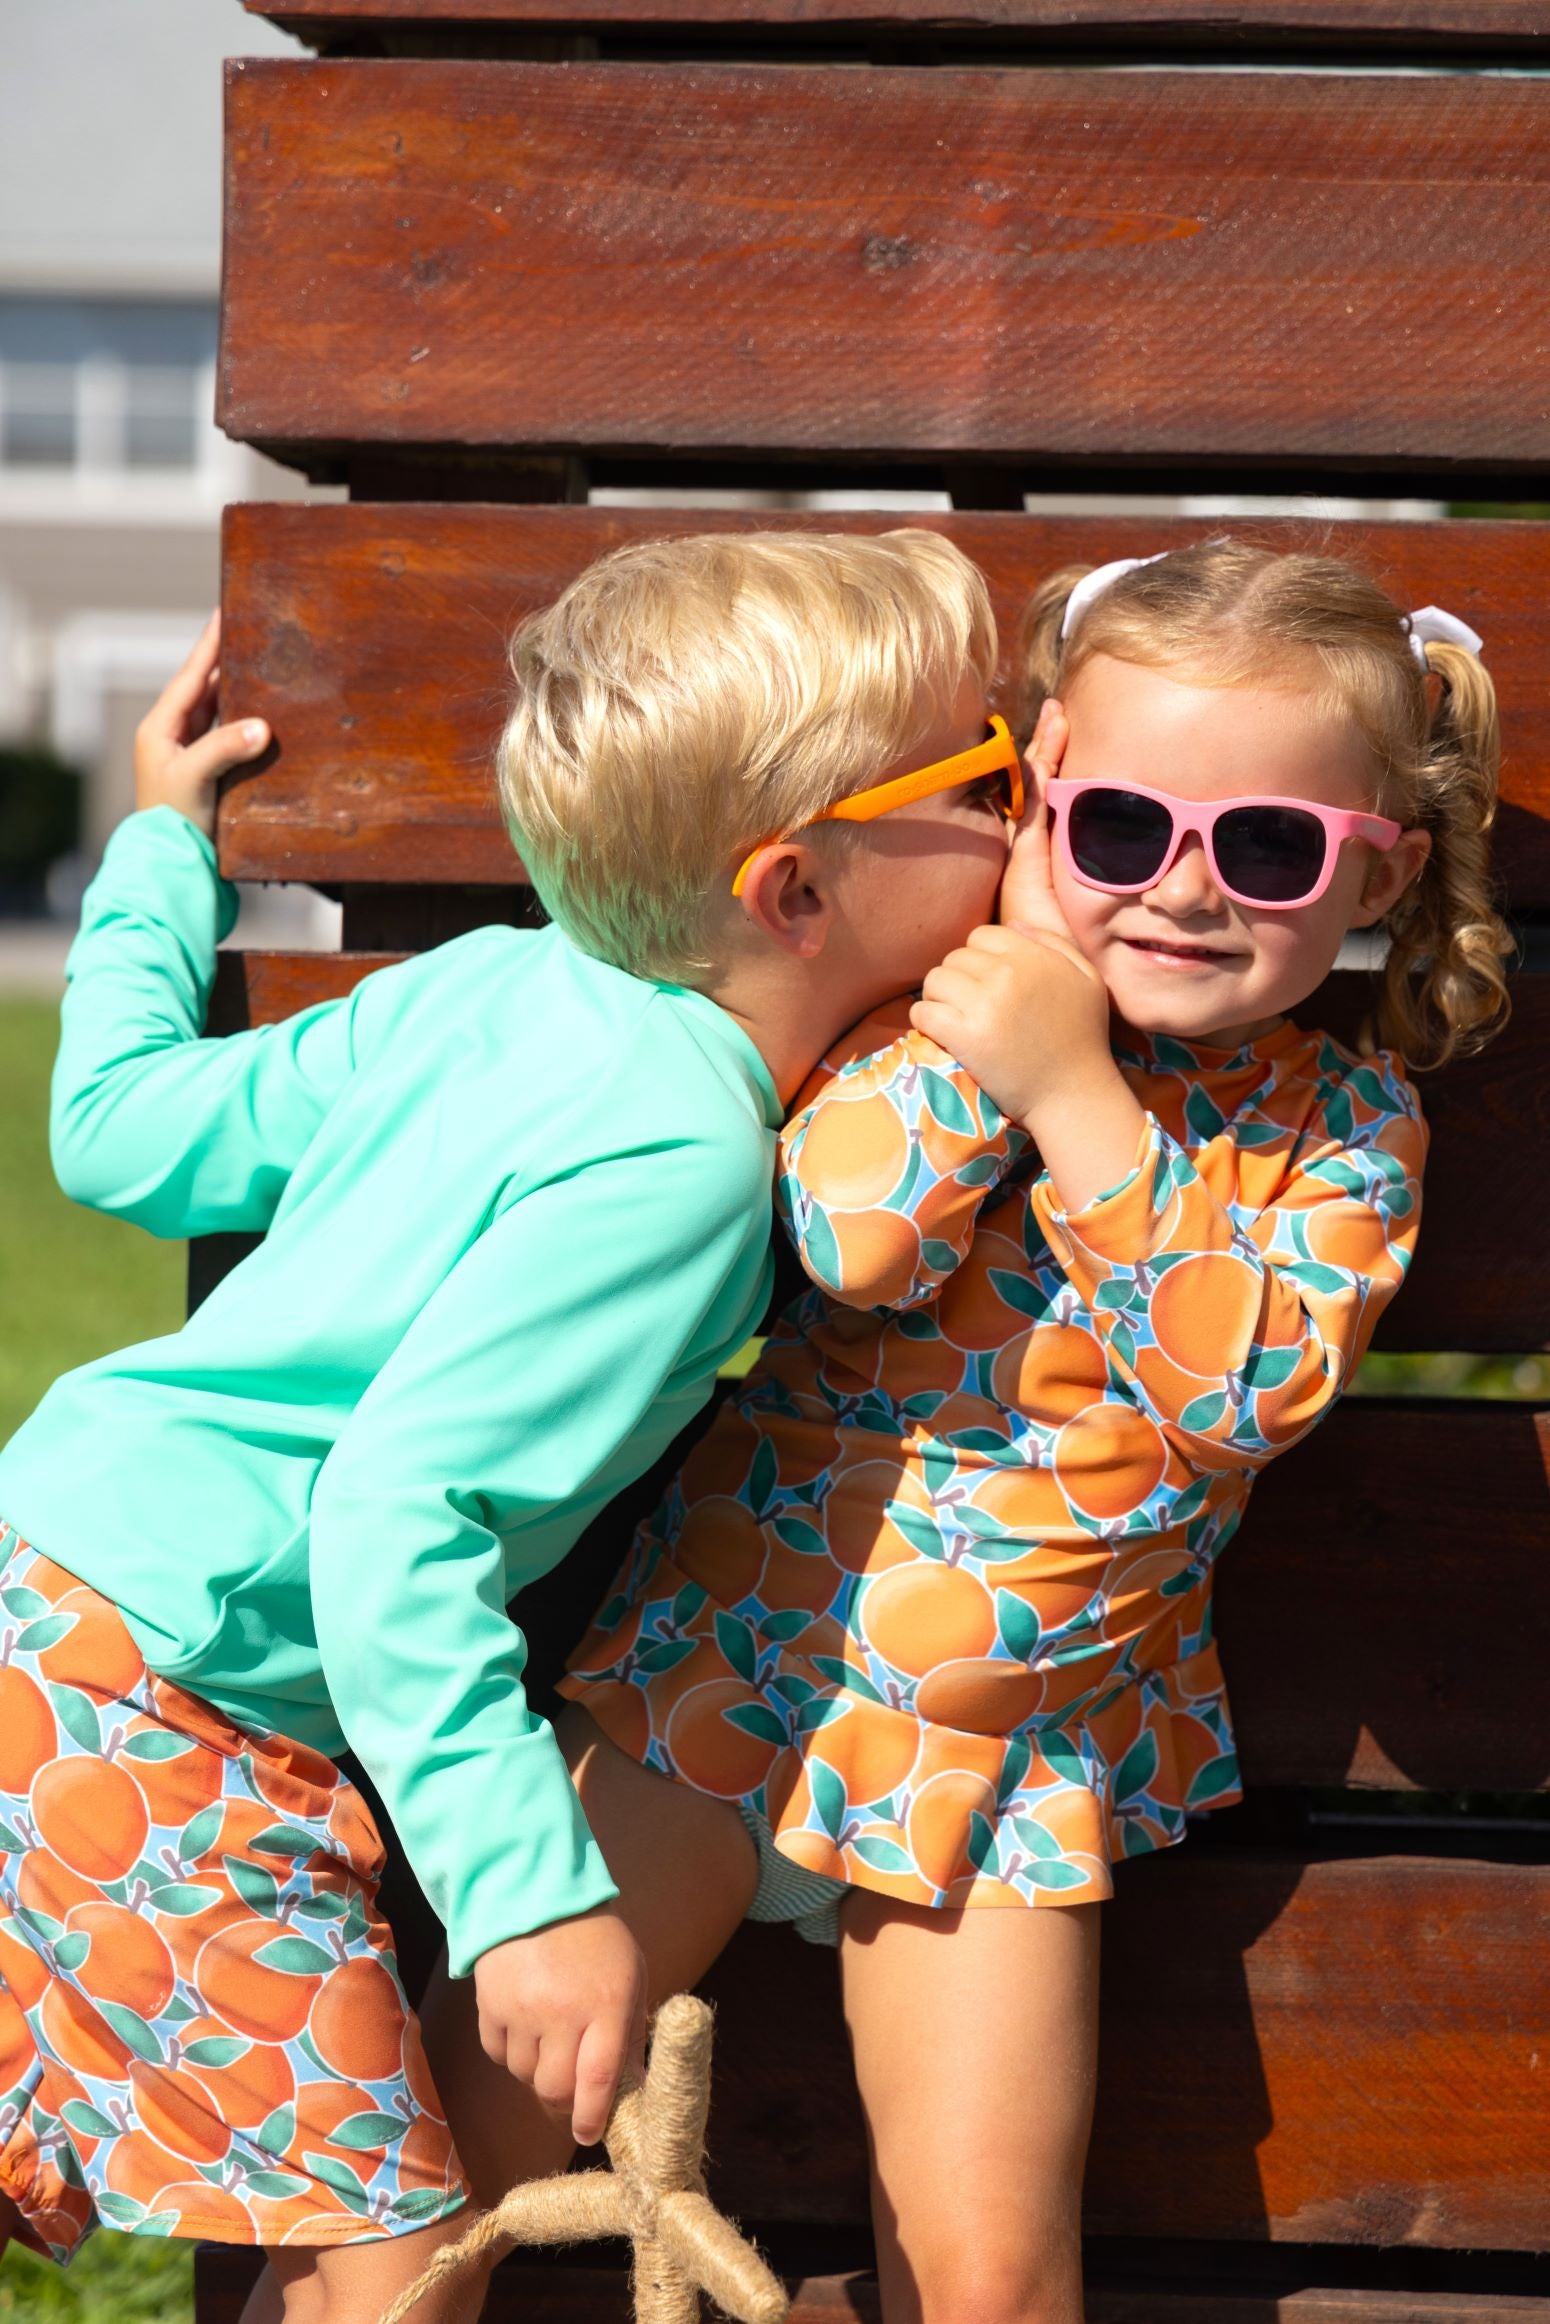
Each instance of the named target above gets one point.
<point>1429,625</point>
<point>1094,584</point>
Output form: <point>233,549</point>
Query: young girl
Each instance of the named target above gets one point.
<point>922,1634</point>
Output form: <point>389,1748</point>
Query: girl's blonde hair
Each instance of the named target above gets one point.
<point>686,699</point>
<point>1230,615</point>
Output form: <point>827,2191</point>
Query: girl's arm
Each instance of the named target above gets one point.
<point>148,1121</point>
<point>1236,1321</point>
<point>885,1163</point>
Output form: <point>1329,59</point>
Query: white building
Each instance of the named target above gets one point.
<point>112,473</point>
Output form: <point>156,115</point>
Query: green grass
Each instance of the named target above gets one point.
<point>115,2279</point>
<point>72,1285</point>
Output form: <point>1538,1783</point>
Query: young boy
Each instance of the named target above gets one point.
<point>515,1196</point>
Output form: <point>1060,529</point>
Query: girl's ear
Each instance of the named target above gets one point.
<point>1390,875</point>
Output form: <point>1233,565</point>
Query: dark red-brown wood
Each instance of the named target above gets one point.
<point>534,2289</point>
<point>1403,24</point>
<point>373,638</point>
<point>1336,2052</point>
<point>1050,266</point>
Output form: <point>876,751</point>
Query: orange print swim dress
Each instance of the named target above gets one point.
<point>202,2029</point>
<point>933,1594</point>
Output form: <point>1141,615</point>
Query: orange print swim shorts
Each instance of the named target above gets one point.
<point>202,2028</point>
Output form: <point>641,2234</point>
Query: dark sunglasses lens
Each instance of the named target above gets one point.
<point>1273,855</point>
<point>1117,837</point>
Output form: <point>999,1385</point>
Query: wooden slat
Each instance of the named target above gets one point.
<point>1481,1279</point>
<point>533,2289</point>
<point>1337,2052</point>
<point>1054,266</point>
<point>1415,25</point>
<point>373,638</point>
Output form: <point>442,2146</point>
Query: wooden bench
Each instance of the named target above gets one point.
<point>479,258</point>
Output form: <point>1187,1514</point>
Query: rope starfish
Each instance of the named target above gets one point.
<point>655,2195</point>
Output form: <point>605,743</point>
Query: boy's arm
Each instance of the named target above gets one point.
<point>592,1312</point>
<point>149,1121</point>
<point>1235,1327</point>
<point>885,1164</point>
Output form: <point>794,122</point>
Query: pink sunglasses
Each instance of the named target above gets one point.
<point>1272,853</point>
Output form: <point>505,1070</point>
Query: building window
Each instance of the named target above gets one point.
<point>38,427</point>
<point>106,388</point>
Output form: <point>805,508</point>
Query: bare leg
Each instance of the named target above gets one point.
<point>975,2040</point>
<point>686,1871</point>
<point>352,2283</point>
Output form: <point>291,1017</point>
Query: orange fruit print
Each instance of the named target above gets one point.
<point>200,2021</point>
<point>1012,1441</point>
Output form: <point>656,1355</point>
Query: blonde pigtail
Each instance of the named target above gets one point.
<point>1444,985</point>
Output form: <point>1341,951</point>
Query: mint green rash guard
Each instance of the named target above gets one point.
<point>517,1211</point>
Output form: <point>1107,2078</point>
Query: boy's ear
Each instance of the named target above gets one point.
<point>1390,875</point>
<point>785,895</point>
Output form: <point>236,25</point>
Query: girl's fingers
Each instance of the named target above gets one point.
<point>190,681</point>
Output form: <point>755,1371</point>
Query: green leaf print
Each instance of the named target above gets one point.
<point>11,1843</point>
<point>41,1924</point>
<point>1115,1291</point>
<point>201,1832</point>
<point>1270,1368</point>
<point>1122,1345</point>
<point>155,1743</point>
<point>71,1951</point>
<point>1018,1292</point>
<point>1015,1763</point>
<point>828,1790</point>
<point>1203,1413</point>
<point>284,1840</point>
<point>322,1908</point>
<point>979,1170</point>
<point>820,1251</point>
<point>763,1477</point>
<point>22,1604</point>
<point>1054,1875</point>
<point>123,2210</point>
<point>422,2203</point>
<point>183,1898</point>
<point>1172,1055</point>
<point>899,1199</point>
<point>276,2131</point>
<point>736,1642</point>
<point>687,1604</point>
<point>1040,1844</point>
<point>756,1719</point>
<point>1017,1625</point>
<point>918,1529</point>
<point>781,1628</point>
<point>340,2177</point>
<point>132,2031</point>
<point>665,1654</point>
<point>274,2184</point>
<point>1204,1118</point>
<point>800,1534</point>
<point>77,1715</point>
<point>86,2120</point>
<point>943,1098</point>
<point>38,1637</point>
<point>253,1884</point>
<point>295,1956</point>
<point>1314,1277</point>
<point>883,1855</point>
<point>1217,1776</point>
<point>840,1674</point>
<point>982,1840</point>
<point>1134,1772</point>
<point>217,2050</point>
<point>1338,1117</point>
<point>369,2132</point>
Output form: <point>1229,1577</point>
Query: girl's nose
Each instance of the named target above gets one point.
<point>1187,886</point>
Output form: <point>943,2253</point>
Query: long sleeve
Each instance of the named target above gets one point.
<point>149,1121</point>
<point>589,1316</point>
<point>885,1165</point>
<point>1234,1321</point>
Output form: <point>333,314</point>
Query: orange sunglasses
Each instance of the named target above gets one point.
<point>998,755</point>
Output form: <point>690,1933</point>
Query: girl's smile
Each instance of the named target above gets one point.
<point>1182,956</point>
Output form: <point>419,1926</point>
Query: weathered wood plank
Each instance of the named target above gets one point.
<point>1408,25</point>
<point>1479,1282</point>
<point>1337,2052</point>
<point>1056,266</point>
<point>373,638</point>
<point>534,2289</point>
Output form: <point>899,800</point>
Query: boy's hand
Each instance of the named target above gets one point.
<point>180,753</point>
<point>565,2010</point>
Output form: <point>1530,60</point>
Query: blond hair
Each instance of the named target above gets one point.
<point>684,700</point>
<point>1229,614</point>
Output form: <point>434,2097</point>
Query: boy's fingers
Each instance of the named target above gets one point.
<point>224,747</point>
<point>599,2064</point>
<point>188,682</point>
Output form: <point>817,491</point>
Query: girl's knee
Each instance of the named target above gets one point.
<point>986,2285</point>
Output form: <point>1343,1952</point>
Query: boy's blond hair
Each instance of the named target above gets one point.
<point>684,700</point>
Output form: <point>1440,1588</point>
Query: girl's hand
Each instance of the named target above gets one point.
<point>1025,1012</point>
<point>180,753</point>
<point>1027,894</point>
<point>564,2010</point>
